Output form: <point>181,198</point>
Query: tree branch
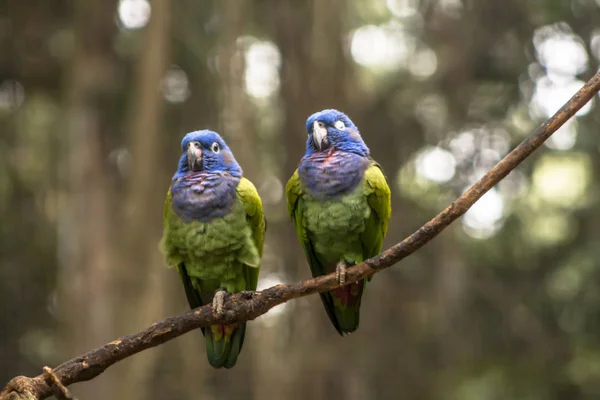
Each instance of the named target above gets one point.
<point>244,307</point>
<point>60,391</point>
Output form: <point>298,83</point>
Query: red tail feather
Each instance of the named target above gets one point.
<point>349,295</point>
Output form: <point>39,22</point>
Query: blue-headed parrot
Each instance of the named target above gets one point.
<point>214,228</point>
<point>339,201</point>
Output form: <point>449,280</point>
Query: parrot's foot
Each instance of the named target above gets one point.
<point>340,273</point>
<point>217,302</point>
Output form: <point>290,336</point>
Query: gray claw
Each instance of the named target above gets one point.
<point>218,302</point>
<point>340,273</point>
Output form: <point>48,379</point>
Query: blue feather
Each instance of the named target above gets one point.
<point>333,174</point>
<point>348,139</point>
<point>336,170</point>
<point>203,196</point>
<point>221,161</point>
<point>210,193</point>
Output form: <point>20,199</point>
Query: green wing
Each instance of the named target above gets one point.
<point>248,196</point>
<point>378,196</point>
<point>294,191</point>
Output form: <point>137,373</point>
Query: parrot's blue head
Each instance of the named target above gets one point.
<point>333,129</point>
<point>206,151</point>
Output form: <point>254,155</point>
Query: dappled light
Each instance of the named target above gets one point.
<point>270,318</point>
<point>560,51</point>
<point>271,190</point>
<point>387,47</point>
<point>403,8</point>
<point>563,56</point>
<point>134,14</point>
<point>423,63</point>
<point>485,218</point>
<point>549,229</point>
<point>175,86</point>
<point>562,180</point>
<point>550,95</point>
<point>262,69</point>
<point>12,95</point>
<point>565,137</point>
<point>436,164</point>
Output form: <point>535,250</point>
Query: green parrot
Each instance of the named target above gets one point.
<point>214,228</point>
<point>339,201</point>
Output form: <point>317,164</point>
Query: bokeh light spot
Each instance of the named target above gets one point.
<point>549,96</point>
<point>559,50</point>
<point>484,219</point>
<point>423,64</point>
<point>436,164</point>
<point>403,8</point>
<point>386,47</point>
<point>134,14</point>
<point>565,137</point>
<point>562,179</point>
<point>175,85</point>
<point>263,61</point>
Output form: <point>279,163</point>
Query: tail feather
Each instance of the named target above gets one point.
<point>343,306</point>
<point>223,344</point>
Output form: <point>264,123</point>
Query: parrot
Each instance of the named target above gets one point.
<point>340,203</point>
<point>214,229</point>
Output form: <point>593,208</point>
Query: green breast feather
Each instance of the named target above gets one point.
<point>224,250</point>
<point>353,226</point>
<point>349,229</point>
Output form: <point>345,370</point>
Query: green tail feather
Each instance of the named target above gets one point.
<point>347,318</point>
<point>344,319</point>
<point>224,350</point>
<point>343,306</point>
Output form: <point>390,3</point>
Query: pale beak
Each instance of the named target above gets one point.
<point>320,136</point>
<point>194,157</point>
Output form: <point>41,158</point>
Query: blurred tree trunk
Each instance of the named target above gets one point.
<point>313,77</point>
<point>84,250</point>
<point>138,299</point>
<point>237,127</point>
<point>235,117</point>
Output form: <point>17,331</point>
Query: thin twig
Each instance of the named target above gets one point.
<point>60,391</point>
<point>247,306</point>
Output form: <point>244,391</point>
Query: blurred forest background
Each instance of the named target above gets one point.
<point>96,95</point>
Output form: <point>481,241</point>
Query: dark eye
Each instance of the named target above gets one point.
<point>215,147</point>
<point>197,145</point>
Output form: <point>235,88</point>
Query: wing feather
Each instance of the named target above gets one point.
<point>378,196</point>
<point>294,192</point>
<point>249,197</point>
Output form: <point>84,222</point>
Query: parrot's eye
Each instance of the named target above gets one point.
<point>197,145</point>
<point>339,125</point>
<point>320,124</point>
<point>215,147</point>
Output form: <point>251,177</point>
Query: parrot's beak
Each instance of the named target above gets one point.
<point>320,135</point>
<point>194,156</point>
